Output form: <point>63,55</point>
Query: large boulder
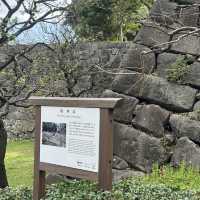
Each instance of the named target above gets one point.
<point>189,16</point>
<point>90,53</point>
<point>186,151</point>
<point>198,96</point>
<point>197,106</point>
<point>164,61</point>
<point>151,119</point>
<point>119,163</point>
<point>184,127</point>
<point>168,12</point>
<point>185,2</point>
<point>192,76</point>
<point>155,90</point>
<point>164,12</point>
<point>192,73</point>
<point>123,112</point>
<point>187,45</point>
<point>194,115</point>
<point>151,34</point>
<point>135,60</point>
<point>140,150</point>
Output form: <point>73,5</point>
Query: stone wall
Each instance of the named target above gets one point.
<point>19,122</point>
<point>157,120</point>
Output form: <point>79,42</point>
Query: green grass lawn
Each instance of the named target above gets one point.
<point>19,163</point>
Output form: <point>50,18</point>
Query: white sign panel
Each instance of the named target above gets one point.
<point>70,137</point>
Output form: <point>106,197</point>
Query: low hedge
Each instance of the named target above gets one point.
<point>82,190</point>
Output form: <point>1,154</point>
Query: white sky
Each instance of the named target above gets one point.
<point>35,34</point>
<point>19,14</point>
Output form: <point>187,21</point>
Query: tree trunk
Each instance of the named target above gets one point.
<point>3,144</point>
<point>121,33</point>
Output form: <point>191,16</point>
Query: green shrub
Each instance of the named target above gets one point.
<point>177,70</point>
<point>20,193</point>
<point>129,189</point>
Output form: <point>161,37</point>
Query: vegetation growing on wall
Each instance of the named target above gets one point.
<point>177,71</point>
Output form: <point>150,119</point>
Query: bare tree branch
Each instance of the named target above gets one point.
<point>6,4</point>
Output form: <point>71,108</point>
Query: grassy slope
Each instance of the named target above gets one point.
<point>19,163</point>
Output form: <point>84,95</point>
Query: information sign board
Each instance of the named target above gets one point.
<point>73,137</point>
<point>70,137</point>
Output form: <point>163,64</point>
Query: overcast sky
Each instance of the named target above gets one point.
<point>20,14</point>
<point>35,34</point>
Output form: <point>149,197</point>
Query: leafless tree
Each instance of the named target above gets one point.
<point>15,70</point>
<point>79,78</point>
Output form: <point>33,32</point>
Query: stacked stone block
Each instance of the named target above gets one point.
<point>163,124</point>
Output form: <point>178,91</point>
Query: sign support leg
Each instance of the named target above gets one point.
<point>39,176</point>
<point>39,185</point>
<point>106,150</point>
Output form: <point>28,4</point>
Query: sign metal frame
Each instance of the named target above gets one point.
<point>104,175</point>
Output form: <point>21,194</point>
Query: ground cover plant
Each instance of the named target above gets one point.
<point>129,189</point>
<point>163,184</point>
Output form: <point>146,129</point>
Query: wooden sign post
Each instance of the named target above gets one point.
<point>73,137</point>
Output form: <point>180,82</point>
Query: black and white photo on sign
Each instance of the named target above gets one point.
<point>54,134</point>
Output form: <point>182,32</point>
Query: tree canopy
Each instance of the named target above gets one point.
<point>105,19</point>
